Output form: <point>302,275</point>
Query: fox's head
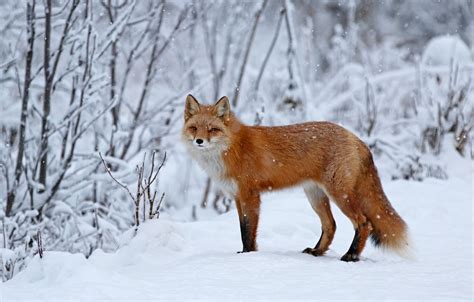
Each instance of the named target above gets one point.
<point>206,126</point>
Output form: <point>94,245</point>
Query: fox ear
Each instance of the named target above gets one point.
<point>192,107</point>
<point>222,107</point>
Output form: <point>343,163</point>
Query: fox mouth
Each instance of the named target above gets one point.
<point>201,146</point>
<point>207,146</point>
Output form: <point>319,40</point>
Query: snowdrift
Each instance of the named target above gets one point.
<point>197,260</point>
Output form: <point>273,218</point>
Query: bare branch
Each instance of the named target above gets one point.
<point>270,50</point>
<point>125,187</point>
<point>258,13</point>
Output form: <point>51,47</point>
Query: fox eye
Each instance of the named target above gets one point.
<point>193,128</point>
<point>214,130</point>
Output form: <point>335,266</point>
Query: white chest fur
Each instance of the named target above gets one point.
<point>214,166</point>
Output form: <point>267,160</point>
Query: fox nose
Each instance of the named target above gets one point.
<point>199,141</point>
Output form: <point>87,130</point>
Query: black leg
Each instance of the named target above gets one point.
<point>248,217</point>
<point>246,236</point>
<point>319,241</point>
<point>352,254</point>
<point>315,251</point>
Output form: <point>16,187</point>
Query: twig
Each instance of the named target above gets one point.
<point>40,244</point>
<point>118,182</point>
<point>157,211</point>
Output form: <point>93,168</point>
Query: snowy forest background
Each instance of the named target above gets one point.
<point>79,77</point>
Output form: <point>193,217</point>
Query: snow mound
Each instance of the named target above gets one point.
<point>442,49</point>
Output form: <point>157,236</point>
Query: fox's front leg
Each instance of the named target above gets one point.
<point>248,206</point>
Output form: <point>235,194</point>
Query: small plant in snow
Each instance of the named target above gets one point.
<point>144,198</point>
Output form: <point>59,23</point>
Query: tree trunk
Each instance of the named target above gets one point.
<point>113,81</point>
<point>30,20</point>
<point>47,96</point>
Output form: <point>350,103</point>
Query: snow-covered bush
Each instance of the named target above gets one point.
<point>446,50</point>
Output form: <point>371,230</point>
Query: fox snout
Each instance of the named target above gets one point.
<point>199,142</point>
<point>205,143</point>
<point>198,137</point>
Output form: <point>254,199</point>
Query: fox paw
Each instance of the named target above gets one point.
<point>312,251</point>
<point>246,251</point>
<point>350,258</point>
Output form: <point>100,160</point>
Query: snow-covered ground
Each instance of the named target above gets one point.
<point>198,260</point>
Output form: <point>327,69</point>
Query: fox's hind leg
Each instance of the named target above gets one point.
<point>350,206</point>
<point>362,232</point>
<point>320,204</point>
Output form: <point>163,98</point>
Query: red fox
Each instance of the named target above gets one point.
<point>327,160</point>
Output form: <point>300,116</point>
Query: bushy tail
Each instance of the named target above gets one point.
<point>389,230</point>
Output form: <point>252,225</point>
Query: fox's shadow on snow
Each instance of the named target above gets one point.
<point>279,256</point>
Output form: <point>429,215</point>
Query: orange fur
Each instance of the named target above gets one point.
<point>329,161</point>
